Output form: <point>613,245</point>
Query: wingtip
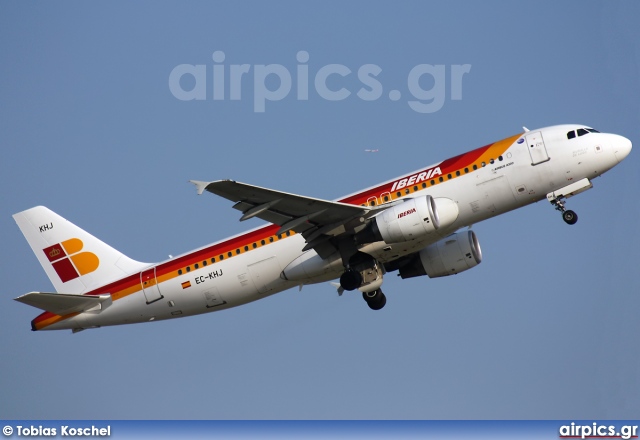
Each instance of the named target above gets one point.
<point>338,287</point>
<point>200,185</point>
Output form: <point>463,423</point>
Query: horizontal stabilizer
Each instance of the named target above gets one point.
<point>64,304</point>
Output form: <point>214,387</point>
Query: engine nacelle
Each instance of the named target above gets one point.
<point>410,220</point>
<point>449,256</point>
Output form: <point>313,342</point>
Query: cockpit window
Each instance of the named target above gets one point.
<point>581,132</point>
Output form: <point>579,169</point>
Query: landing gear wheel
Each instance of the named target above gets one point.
<point>569,217</point>
<point>375,300</point>
<point>350,280</point>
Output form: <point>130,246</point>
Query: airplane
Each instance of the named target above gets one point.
<point>417,224</point>
<point>371,151</point>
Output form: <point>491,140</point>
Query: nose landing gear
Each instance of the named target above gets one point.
<point>557,197</point>
<point>569,216</point>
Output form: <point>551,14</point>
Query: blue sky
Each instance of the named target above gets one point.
<point>546,327</point>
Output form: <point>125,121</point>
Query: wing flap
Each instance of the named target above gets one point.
<point>64,304</point>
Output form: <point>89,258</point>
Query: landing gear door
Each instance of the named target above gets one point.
<point>537,150</point>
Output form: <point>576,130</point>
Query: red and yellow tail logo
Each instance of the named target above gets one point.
<point>69,262</point>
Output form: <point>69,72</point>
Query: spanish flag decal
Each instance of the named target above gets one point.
<point>186,284</point>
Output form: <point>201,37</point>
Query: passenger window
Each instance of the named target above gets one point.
<point>582,132</point>
<point>571,134</point>
<point>179,271</point>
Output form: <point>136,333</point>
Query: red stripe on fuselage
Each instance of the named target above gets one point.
<point>447,166</point>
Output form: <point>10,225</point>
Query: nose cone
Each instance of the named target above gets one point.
<point>622,148</point>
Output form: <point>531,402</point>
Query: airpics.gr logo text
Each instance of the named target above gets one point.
<point>426,84</point>
<point>68,260</point>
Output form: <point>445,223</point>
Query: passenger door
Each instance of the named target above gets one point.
<point>536,147</point>
<point>150,285</point>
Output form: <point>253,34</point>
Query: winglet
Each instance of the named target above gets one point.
<point>200,186</point>
<point>338,287</point>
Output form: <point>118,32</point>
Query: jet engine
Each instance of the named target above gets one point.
<point>409,220</point>
<point>449,256</point>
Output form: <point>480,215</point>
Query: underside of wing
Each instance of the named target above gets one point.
<point>316,219</point>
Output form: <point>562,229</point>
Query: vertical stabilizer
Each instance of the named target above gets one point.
<point>74,260</point>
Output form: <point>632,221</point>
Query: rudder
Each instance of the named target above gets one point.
<point>74,260</point>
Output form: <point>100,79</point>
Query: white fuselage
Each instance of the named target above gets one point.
<point>521,174</point>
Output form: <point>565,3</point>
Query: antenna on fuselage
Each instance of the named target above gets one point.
<point>525,128</point>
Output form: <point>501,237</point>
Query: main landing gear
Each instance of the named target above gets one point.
<point>569,216</point>
<point>365,274</point>
<point>375,300</point>
<point>351,280</point>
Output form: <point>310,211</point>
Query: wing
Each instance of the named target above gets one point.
<point>317,220</point>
